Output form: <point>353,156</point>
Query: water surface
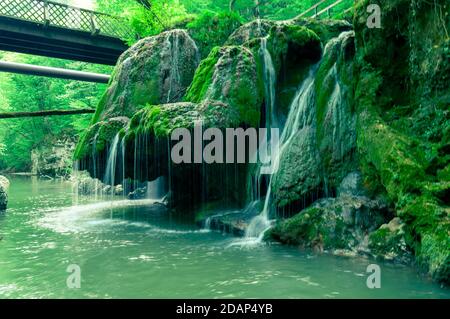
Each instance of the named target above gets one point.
<point>138,250</point>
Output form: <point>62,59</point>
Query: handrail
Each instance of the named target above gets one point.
<point>312,8</point>
<point>318,13</point>
<point>328,8</point>
<point>50,13</point>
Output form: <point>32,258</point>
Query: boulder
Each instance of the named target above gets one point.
<point>334,224</point>
<point>155,70</point>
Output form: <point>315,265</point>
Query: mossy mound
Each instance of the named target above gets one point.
<point>155,70</point>
<point>229,75</point>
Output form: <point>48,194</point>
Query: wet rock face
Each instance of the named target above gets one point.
<point>299,172</point>
<point>322,152</point>
<point>155,70</point>
<point>4,185</point>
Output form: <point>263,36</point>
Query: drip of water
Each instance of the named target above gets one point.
<point>124,181</point>
<point>156,189</point>
<point>110,172</point>
<point>174,77</point>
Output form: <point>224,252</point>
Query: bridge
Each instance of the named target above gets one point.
<point>51,29</point>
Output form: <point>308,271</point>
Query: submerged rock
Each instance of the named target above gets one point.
<point>4,185</point>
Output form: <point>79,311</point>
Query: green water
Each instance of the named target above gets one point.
<point>143,252</point>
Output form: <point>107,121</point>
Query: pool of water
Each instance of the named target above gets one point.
<point>137,249</point>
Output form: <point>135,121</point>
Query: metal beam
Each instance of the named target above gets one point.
<point>29,69</point>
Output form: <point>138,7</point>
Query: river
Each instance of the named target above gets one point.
<point>138,250</point>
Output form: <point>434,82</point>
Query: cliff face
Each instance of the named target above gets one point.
<point>402,97</point>
<point>364,162</point>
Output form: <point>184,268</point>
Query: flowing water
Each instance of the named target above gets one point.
<point>136,249</point>
<point>300,114</point>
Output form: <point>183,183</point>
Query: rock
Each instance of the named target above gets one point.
<point>388,242</point>
<point>118,190</point>
<point>299,171</point>
<point>334,224</point>
<point>4,185</point>
<point>54,159</point>
<point>322,152</point>
<point>138,193</point>
<point>352,184</point>
<point>228,88</point>
<point>232,221</point>
<point>155,70</point>
<point>249,31</point>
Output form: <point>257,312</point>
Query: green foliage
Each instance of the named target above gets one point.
<point>213,29</point>
<point>31,93</point>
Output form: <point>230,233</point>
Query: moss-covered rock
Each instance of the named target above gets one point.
<point>322,151</point>
<point>388,242</point>
<point>98,136</point>
<point>155,70</point>
<point>400,94</point>
<point>230,76</point>
<point>333,224</point>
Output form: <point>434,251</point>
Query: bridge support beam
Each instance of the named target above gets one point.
<point>12,115</point>
<point>29,69</point>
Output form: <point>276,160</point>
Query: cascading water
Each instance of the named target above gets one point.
<point>174,75</point>
<point>298,117</point>
<point>110,172</point>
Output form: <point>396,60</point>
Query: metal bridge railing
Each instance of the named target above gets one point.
<point>329,8</point>
<point>49,13</point>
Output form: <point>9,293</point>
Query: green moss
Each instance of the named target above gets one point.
<point>203,77</point>
<point>384,242</point>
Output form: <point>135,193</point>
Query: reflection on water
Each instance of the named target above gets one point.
<point>139,249</point>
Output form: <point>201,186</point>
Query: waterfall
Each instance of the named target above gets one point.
<point>124,181</point>
<point>174,72</point>
<point>298,117</point>
<point>110,172</point>
<point>270,82</point>
<point>156,188</point>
